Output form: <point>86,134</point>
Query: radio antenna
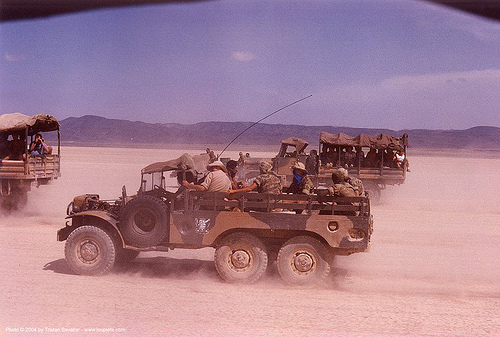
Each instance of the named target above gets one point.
<point>260,120</point>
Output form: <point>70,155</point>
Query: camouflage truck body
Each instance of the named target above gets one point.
<point>246,233</point>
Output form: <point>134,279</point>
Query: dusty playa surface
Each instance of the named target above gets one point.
<point>433,268</point>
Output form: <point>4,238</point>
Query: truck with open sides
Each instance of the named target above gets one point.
<point>340,150</point>
<point>301,233</point>
<point>20,172</point>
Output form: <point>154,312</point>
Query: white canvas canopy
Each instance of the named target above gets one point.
<point>185,162</point>
<point>17,122</point>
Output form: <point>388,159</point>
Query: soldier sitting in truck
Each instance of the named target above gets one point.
<point>301,183</point>
<point>340,187</point>
<point>354,182</point>
<point>265,182</point>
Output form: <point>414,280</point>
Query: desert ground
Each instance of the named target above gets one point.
<point>433,268</point>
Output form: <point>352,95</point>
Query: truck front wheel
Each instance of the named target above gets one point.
<point>241,258</point>
<point>90,250</point>
<point>303,261</point>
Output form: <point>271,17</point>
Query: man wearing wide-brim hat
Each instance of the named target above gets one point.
<point>215,181</point>
<point>302,183</point>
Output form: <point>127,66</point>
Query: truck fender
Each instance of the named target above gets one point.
<point>101,219</point>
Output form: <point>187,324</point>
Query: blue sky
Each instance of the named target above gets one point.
<point>400,64</point>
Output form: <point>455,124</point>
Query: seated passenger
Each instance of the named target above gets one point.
<point>215,181</point>
<point>16,148</point>
<point>389,158</point>
<point>301,183</point>
<point>4,145</point>
<point>265,182</point>
<point>371,158</point>
<point>349,157</point>
<point>39,147</point>
<point>340,187</point>
<point>401,160</point>
<point>354,182</point>
<point>232,169</point>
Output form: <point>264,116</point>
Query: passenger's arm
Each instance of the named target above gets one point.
<point>193,186</point>
<point>244,189</point>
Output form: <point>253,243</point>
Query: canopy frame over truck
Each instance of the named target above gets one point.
<point>320,164</point>
<point>17,176</point>
<point>380,172</point>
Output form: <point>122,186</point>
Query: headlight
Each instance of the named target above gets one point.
<point>72,208</point>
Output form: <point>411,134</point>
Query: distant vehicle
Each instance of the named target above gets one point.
<point>261,230</point>
<point>20,171</point>
<point>339,150</point>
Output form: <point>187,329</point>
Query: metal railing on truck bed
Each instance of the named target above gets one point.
<point>265,202</point>
<point>35,167</point>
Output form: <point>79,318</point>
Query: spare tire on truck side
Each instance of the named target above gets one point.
<point>144,221</point>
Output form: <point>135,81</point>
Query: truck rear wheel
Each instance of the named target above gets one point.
<point>303,261</point>
<point>241,258</point>
<point>90,250</point>
<point>144,221</point>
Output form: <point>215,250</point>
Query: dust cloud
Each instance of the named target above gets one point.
<point>432,269</point>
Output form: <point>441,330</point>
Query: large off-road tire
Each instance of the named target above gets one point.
<point>303,261</point>
<point>241,258</point>
<point>89,250</point>
<point>144,221</point>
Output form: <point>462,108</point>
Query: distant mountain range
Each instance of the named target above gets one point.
<point>100,130</point>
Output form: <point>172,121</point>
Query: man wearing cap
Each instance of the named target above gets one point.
<point>215,181</point>
<point>353,181</point>
<point>301,183</point>
<point>265,182</point>
<point>340,187</point>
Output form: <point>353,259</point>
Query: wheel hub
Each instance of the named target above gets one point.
<point>144,221</point>
<point>303,262</point>
<point>240,259</point>
<point>89,251</point>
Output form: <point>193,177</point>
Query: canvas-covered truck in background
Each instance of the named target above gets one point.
<point>20,168</point>
<point>301,233</point>
<point>369,158</point>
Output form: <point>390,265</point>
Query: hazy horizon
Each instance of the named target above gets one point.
<point>368,64</point>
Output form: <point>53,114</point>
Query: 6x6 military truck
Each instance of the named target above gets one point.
<point>369,158</point>
<point>247,233</point>
<point>23,169</point>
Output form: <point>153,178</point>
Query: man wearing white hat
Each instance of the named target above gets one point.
<point>215,181</point>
